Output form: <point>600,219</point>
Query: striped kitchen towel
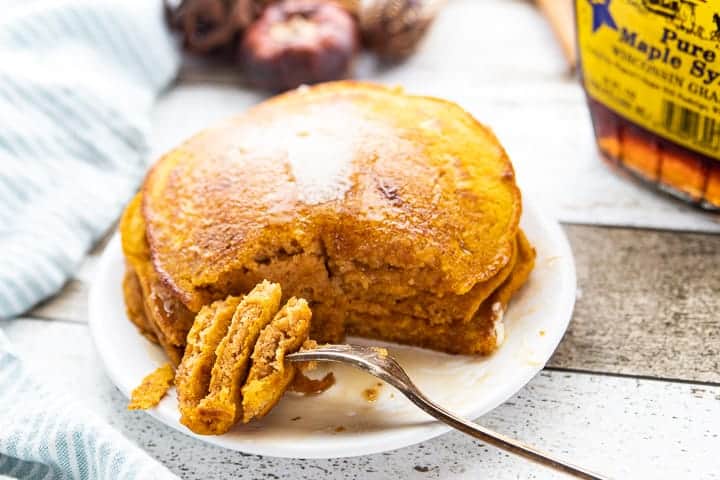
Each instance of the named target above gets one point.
<point>46,435</point>
<point>77,81</point>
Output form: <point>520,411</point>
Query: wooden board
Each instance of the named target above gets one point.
<point>648,304</point>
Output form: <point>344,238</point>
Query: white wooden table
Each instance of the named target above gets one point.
<point>634,389</point>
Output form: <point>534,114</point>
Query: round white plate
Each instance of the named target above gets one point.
<point>341,422</point>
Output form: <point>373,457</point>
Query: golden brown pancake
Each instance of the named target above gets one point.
<point>376,176</point>
<point>192,379</point>
<point>270,374</point>
<point>482,334</point>
<point>167,318</point>
<point>222,407</point>
<point>395,216</point>
<point>134,303</point>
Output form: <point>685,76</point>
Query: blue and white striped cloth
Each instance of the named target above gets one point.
<point>46,435</point>
<point>77,81</point>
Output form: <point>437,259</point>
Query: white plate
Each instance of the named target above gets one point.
<point>341,422</point>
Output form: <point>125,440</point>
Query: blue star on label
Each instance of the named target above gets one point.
<point>601,14</point>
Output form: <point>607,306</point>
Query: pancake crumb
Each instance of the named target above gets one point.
<point>371,394</point>
<point>152,388</point>
<point>310,386</point>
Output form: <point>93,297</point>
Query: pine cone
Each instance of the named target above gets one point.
<point>394,28</point>
<point>209,24</point>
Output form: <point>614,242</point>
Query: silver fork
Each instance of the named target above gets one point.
<point>378,363</point>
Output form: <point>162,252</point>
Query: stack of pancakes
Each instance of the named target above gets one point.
<point>395,216</point>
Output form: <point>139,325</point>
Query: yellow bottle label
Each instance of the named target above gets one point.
<point>656,63</point>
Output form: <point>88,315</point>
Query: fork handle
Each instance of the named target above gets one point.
<point>496,439</point>
<point>387,369</point>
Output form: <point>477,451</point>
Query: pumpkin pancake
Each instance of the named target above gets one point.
<point>483,334</point>
<point>164,318</point>
<point>135,305</point>
<point>222,407</point>
<point>338,191</point>
<point>193,374</point>
<point>270,375</point>
<point>374,205</point>
<point>434,310</point>
<point>395,216</point>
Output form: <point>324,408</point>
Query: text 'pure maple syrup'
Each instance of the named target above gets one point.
<point>651,72</point>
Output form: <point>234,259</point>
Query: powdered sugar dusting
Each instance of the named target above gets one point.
<point>321,164</point>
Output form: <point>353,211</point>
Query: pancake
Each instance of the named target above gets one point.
<point>134,304</point>
<point>164,318</point>
<point>388,216</point>
<point>345,192</point>
<point>222,407</point>
<point>434,310</point>
<point>483,334</point>
<point>270,375</point>
<point>395,216</point>
<point>192,379</point>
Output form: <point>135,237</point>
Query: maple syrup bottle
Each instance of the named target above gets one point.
<point>651,72</point>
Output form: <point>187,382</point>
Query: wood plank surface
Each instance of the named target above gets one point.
<point>626,428</point>
<point>648,304</point>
